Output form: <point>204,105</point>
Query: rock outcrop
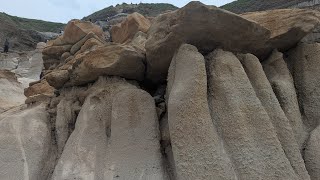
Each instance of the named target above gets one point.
<point>126,30</point>
<point>306,74</point>
<point>287,26</point>
<point>27,149</point>
<point>240,102</point>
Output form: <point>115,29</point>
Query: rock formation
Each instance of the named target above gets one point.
<point>240,102</point>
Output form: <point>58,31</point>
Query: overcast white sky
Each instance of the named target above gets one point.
<point>64,10</point>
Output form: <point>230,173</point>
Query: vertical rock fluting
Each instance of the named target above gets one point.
<point>304,60</point>
<point>312,154</point>
<point>65,117</point>
<point>197,150</point>
<point>116,136</point>
<point>26,147</point>
<point>269,101</point>
<point>306,73</point>
<point>244,125</point>
<point>282,83</point>
<point>135,137</point>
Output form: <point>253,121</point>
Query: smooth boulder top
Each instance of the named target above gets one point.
<point>206,27</point>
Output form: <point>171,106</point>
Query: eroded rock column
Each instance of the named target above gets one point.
<point>197,150</point>
<point>245,126</point>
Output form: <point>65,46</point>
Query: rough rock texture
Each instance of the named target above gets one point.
<point>116,60</point>
<point>26,149</point>
<point>312,154</point>
<point>40,88</point>
<point>197,149</point>
<point>244,124</point>
<point>76,30</point>
<point>127,29</point>
<point>282,125</point>
<point>11,91</point>
<point>306,74</point>
<point>287,26</point>
<point>116,120</point>
<point>282,83</point>
<point>199,25</point>
<point>57,78</point>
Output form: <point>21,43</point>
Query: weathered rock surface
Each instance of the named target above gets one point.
<point>287,26</point>
<point>205,27</point>
<point>244,124</point>
<point>197,150</point>
<point>26,147</point>
<point>312,154</point>
<point>112,60</point>
<point>11,91</point>
<point>282,83</point>
<point>115,121</point>
<point>306,74</point>
<point>127,29</point>
<point>281,124</point>
<point>76,30</point>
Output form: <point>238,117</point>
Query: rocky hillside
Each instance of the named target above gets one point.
<point>187,96</point>
<point>145,9</point>
<point>23,33</point>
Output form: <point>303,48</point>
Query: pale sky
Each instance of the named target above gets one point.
<point>64,10</point>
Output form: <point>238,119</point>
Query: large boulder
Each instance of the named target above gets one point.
<point>126,30</point>
<point>42,87</point>
<point>113,60</point>
<point>287,26</point>
<point>76,30</point>
<point>206,27</point>
<point>56,51</point>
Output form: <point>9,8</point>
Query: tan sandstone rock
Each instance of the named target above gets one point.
<point>127,29</point>
<point>40,88</point>
<point>76,30</point>
<point>269,101</point>
<point>206,27</point>
<point>56,51</point>
<point>26,147</point>
<point>282,83</point>
<point>197,150</point>
<point>287,26</point>
<point>112,60</point>
<point>116,136</point>
<point>57,78</point>
<point>245,126</point>
<point>312,154</point>
<point>306,74</point>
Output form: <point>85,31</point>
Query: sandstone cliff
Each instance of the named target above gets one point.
<point>187,96</point>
